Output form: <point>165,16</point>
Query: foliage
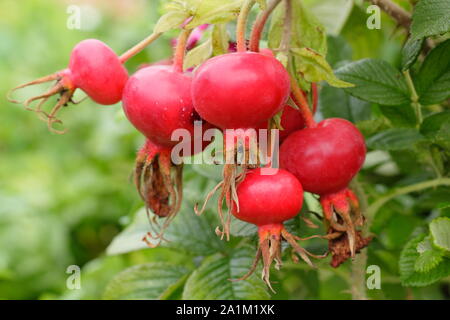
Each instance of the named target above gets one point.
<point>66,200</point>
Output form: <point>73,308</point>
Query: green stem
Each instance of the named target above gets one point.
<point>139,47</point>
<point>414,97</point>
<point>359,264</point>
<point>242,24</point>
<point>287,28</point>
<point>259,24</point>
<point>374,207</point>
<point>433,164</point>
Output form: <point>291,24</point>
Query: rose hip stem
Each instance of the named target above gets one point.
<point>302,103</point>
<point>139,47</point>
<point>259,24</point>
<point>315,96</point>
<point>241,25</point>
<point>180,50</point>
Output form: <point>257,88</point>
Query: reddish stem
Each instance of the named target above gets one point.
<point>259,24</point>
<point>241,25</point>
<point>180,50</point>
<point>302,103</point>
<point>315,97</point>
<point>139,47</point>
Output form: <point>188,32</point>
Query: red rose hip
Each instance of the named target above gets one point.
<point>324,158</point>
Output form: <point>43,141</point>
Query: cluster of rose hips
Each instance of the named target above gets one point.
<point>240,90</point>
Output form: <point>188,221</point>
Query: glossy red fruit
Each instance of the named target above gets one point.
<point>97,70</point>
<point>240,90</point>
<point>324,158</point>
<point>268,199</point>
<point>157,101</point>
<point>94,68</point>
<point>267,52</point>
<point>291,120</point>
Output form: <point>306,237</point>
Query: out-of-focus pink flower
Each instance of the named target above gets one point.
<point>196,35</point>
<point>232,46</point>
<point>194,38</point>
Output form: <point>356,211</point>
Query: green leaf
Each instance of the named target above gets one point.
<point>424,245</point>
<point>440,231</point>
<point>410,52</point>
<point>262,4</point>
<point>436,127</point>
<point>400,116</point>
<point>187,232</point>
<point>213,11</point>
<point>171,20</point>
<point>370,127</point>
<point>443,205</point>
<point>395,139</point>
<point>240,228</point>
<point>314,68</point>
<point>332,14</point>
<point>307,31</point>
<point>337,103</point>
<point>430,17</point>
<point>429,257</point>
<point>365,43</point>
<point>428,260</point>
<point>433,80</point>
<point>409,276</point>
<point>339,50</point>
<point>146,281</point>
<point>211,281</point>
<point>130,239</point>
<point>198,55</point>
<point>220,40</point>
<point>375,81</point>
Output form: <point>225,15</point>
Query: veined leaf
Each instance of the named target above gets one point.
<point>410,52</point>
<point>395,139</point>
<point>199,12</point>
<point>440,231</point>
<point>213,11</point>
<point>430,17</point>
<point>436,128</point>
<point>307,31</point>
<point>433,80</point>
<point>339,51</point>
<point>198,55</point>
<point>334,102</point>
<point>428,260</point>
<point>146,281</point>
<point>187,232</point>
<point>171,20</point>
<point>400,116</point>
<point>212,279</point>
<point>332,14</point>
<point>408,258</point>
<point>375,81</point>
<point>314,68</point>
<point>219,39</point>
<point>429,256</point>
<point>240,228</point>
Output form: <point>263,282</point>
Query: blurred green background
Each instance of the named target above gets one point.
<point>64,198</point>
